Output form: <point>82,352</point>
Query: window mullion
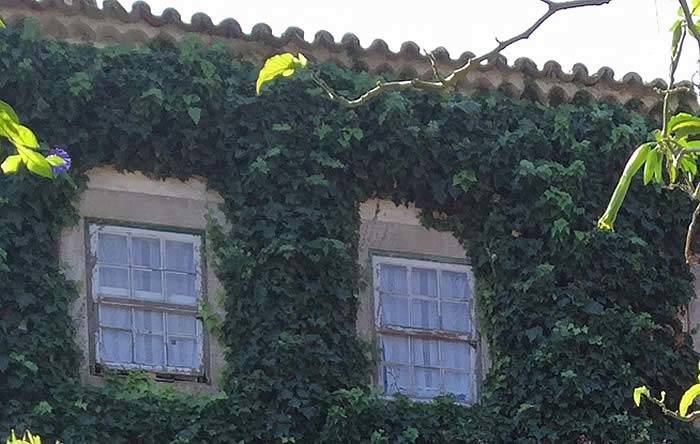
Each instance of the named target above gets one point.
<point>133,336</point>
<point>165,338</point>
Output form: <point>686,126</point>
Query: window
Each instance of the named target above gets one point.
<point>146,286</point>
<point>425,316</point>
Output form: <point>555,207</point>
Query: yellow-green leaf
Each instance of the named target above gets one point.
<point>55,160</point>
<point>638,392</point>
<point>36,163</point>
<point>650,166</point>
<point>279,65</point>
<point>21,135</point>
<point>11,164</point>
<point>687,399</point>
<point>635,162</point>
<point>2,24</point>
<point>677,30</point>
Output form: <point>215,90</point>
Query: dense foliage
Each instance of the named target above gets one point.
<point>575,318</point>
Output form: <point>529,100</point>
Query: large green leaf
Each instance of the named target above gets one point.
<point>36,163</point>
<point>635,162</point>
<point>11,164</point>
<point>279,65</point>
<point>683,125</point>
<point>653,159</point>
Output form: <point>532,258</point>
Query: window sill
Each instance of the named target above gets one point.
<point>102,370</point>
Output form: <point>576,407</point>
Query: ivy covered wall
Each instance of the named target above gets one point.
<point>574,318</point>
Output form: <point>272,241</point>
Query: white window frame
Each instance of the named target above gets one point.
<point>164,307</point>
<point>469,338</point>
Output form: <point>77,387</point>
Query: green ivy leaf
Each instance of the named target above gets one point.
<point>195,114</point>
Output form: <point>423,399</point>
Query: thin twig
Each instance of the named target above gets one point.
<point>458,74</point>
<point>668,412</point>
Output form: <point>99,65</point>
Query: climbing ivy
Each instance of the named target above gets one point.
<point>574,318</point>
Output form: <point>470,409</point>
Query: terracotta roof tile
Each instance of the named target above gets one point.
<point>82,20</point>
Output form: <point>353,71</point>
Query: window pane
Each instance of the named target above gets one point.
<point>424,282</point>
<point>427,382</point>
<point>115,317</point>
<point>456,355</point>
<point>145,252</point>
<point>454,286</point>
<point>456,317</point>
<point>179,288</point>
<point>425,352</point>
<point>116,346</point>
<point>184,325</point>
<point>395,310</point>
<point>147,285</point>
<point>113,281</point>
<point>395,349</point>
<point>179,256</point>
<point>148,321</point>
<point>182,352</point>
<point>149,349</point>
<point>397,379</point>
<point>111,249</point>
<point>459,384</point>
<point>392,279</point>
<point>424,314</point>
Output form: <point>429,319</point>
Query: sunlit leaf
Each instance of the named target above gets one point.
<point>638,393</point>
<point>11,164</point>
<point>55,160</point>
<point>279,65</point>
<point>36,163</point>
<point>635,162</point>
<point>687,399</point>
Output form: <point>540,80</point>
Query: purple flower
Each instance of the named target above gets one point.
<point>60,151</point>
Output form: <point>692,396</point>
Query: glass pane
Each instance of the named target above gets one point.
<point>395,310</point>
<point>456,355</point>
<point>427,382</point>
<point>395,349</point>
<point>184,325</point>
<point>397,379</point>
<point>456,317</point>
<point>149,350</point>
<point>111,248</point>
<point>145,252</point>
<point>115,317</point>
<point>148,321</point>
<point>179,256</point>
<point>424,314</point>
<point>179,288</point>
<point>425,352</point>
<point>113,281</point>
<point>459,384</point>
<point>116,346</point>
<point>147,285</point>
<point>424,282</point>
<point>392,279</point>
<point>182,352</point>
<point>454,286</point>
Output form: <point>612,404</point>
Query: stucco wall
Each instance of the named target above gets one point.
<point>134,198</point>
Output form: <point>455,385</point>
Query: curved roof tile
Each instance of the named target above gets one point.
<point>83,20</point>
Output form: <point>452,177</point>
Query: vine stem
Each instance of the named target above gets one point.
<point>441,83</point>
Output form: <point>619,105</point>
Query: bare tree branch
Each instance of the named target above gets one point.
<point>668,412</point>
<point>451,80</point>
<point>689,20</point>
